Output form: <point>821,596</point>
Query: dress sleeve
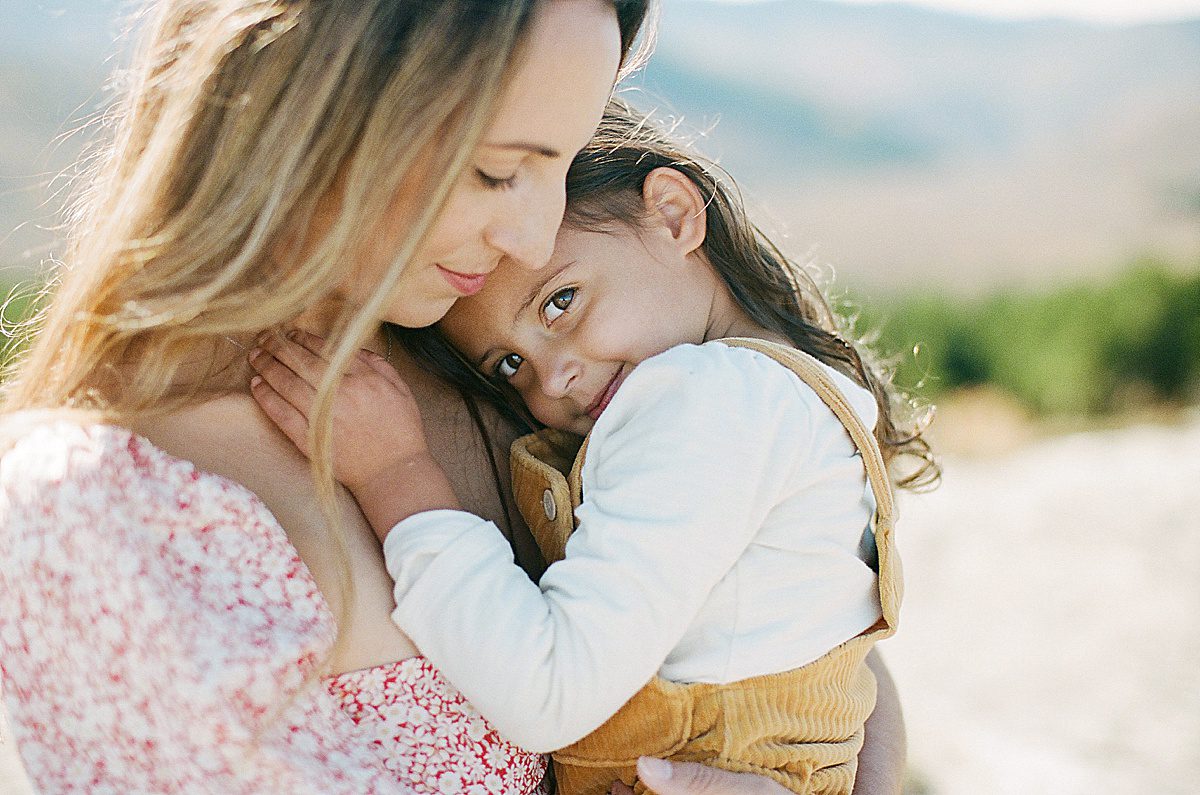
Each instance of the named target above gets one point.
<point>682,469</point>
<point>144,651</point>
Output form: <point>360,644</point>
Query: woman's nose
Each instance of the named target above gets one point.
<point>527,235</point>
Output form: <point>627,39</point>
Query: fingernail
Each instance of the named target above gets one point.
<point>254,354</point>
<point>255,381</point>
<point>657,768</point>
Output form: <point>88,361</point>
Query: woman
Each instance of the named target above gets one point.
<point>325,165</point>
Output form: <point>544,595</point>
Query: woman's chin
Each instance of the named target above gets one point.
<point>419,314</point>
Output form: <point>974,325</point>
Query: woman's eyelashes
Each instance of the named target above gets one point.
<point>492,182</point>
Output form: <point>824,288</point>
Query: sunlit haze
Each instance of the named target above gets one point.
<point>1106,11</point>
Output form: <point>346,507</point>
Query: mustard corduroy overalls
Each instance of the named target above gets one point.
<point>803,727</point>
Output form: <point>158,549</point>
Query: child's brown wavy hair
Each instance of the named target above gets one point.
<point>604,187</point>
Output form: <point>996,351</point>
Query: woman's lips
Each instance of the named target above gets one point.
<point>463,283</point>
<point>601,403</point>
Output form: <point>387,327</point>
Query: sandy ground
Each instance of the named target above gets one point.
<point>1050,634</point>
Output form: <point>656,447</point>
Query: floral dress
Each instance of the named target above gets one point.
<point>158,633</point>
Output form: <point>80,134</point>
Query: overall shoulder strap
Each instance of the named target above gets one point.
<point>811,373</point>
<point>883,523</point>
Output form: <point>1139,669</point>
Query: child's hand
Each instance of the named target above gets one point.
<point>375,417</point>
<point>379,449</point>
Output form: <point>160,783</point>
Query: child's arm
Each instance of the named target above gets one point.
<point>379,448</point>
<point>691,462</point>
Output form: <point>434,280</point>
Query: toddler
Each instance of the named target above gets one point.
<point>721,542</point>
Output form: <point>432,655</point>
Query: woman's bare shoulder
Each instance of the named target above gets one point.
<point>231,437</point>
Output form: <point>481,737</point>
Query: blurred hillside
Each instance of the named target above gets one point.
<point>904,147</point>
<point>907,147</point>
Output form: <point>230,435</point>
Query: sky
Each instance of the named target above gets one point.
<point>1103,11</point>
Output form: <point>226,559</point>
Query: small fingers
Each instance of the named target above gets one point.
<point>288,419</point>
<point>370,357</point>
<point>379,364</point>
<point>300,352</point>
<point>311,342</point>
<point>284,381</point>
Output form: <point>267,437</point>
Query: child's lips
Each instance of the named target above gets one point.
<point>601,403</point>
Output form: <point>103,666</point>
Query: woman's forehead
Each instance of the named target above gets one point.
<point>557,94</point>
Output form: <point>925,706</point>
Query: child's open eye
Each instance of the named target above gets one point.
<point>558,304</point>
<point>507,367</point>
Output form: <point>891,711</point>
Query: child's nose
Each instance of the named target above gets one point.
<point>560,377</point>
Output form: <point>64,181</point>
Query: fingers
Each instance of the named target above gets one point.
<point>289,420</point>
<point>380,365</point>
<point>304,353</point>
<point>693,778</point>
<point>620,788</point>
<point>284,381</point>
<point>300,351</point>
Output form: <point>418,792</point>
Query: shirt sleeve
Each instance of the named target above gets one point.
<point>117,674</point>
<point>682,469</point>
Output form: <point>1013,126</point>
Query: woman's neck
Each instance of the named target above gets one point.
<point>322,318</point>
<point>221,367</point>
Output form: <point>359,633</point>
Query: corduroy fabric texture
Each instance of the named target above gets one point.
<point>802,728</point>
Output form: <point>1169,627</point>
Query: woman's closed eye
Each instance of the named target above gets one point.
<point>493,182</point>
<point>558,304</point>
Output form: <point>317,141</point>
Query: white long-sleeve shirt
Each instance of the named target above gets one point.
<point>723,510</point>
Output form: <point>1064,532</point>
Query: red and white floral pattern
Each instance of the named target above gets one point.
<point>452,748</point>
<point>158,633</point>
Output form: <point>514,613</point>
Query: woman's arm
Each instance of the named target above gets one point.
<point>881,761</point>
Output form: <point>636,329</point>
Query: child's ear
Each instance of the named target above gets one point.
<point>675,202</point>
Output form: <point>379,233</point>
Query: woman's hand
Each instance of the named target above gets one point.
<point>692,778</point>
<point>379,449</point>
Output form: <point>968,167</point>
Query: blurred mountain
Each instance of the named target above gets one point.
<point>905,147</point>
<point>908,147</point>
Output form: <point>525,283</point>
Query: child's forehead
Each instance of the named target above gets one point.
<point>492,315</point>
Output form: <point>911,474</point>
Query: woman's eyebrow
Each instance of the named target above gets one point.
<point>525,146</point>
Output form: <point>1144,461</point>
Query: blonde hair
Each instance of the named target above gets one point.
<point>237,121</point>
